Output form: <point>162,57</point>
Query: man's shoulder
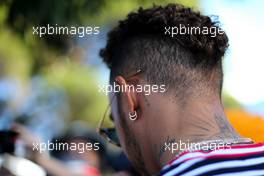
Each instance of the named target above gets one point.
<point>239,159</point>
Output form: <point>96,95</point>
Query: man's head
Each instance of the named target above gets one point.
<point>189,65</point>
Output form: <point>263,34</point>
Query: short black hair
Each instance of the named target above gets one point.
<point>182,62</point>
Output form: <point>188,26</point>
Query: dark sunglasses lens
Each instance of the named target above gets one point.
<point>112,135</point>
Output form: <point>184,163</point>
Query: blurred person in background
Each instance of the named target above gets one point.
<point>70,163</point>
<point>76,161</point>
<point>138,52</point>
<point>107,161</point>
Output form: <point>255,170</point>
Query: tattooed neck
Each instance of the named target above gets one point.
<point>218,128</point>
<point>224,130</point>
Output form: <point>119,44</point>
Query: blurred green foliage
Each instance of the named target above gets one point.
<point>81,87</point>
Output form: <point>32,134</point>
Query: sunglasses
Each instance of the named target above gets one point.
<point>110,134</point>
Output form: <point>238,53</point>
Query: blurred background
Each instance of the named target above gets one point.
<point>50,84</point>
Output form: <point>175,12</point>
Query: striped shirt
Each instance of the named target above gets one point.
<point>237,160</point>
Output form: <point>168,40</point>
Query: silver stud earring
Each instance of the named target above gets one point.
<point>132,115</point>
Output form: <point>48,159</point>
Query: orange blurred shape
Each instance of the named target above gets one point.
<point>248,125</point>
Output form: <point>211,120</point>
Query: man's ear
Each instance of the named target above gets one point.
<point>129,95</point>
